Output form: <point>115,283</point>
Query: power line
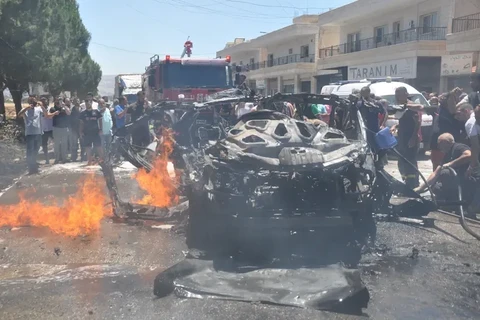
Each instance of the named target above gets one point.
<point>273,6</point>
<point>120,49</point>
<point>237,8</point>
<point>153,18</point>
<point>184,5</point>
<point>141,52</point>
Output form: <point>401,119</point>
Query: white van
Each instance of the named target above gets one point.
<point>386,90</point>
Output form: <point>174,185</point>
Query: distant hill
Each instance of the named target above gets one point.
<point>106,85</point>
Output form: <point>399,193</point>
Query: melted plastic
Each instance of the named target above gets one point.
<point>325,288</point>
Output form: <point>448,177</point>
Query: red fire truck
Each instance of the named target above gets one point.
<point>186,79</point>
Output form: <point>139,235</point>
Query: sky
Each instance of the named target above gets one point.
<point>126,33</point>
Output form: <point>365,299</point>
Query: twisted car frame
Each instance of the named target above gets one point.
<point>271,179</point>
<point>270,182</point>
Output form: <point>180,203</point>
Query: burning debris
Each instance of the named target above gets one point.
<point>161,189</point>
<point>79,214</point>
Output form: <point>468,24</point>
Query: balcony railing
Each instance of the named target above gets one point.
<point>466,23</point>
<point>404,36</point>
<point>292,58</point>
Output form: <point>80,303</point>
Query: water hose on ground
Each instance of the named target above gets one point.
<point>416,169</point>
<point>462,220</point>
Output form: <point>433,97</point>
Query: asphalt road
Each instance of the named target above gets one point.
<point>109,275</point>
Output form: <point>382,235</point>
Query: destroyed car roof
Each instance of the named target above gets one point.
<point>294,97</point>
<point>303,97</point>
<point>271,139</point>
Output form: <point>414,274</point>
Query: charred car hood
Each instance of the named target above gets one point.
<point>271,138</point>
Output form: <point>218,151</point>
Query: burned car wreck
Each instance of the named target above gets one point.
<point>260,182</point>
<point>274,176</point>
<point>269,196</point>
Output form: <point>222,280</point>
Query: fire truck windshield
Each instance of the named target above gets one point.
<point>177,75</point>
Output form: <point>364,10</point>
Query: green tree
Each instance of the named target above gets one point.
<point>45,41</point>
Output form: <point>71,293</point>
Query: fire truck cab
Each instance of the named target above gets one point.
<point>186,79</point>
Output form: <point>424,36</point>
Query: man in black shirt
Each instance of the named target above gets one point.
<point>457,156</point>
<point>408,137</point>
<point>61,122</point>
<point>75,131</point>
<point>445,122</point>
<point>141,135</point>
<point>370,110</point>
<point>90,130</point>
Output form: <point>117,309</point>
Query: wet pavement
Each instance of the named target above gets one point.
<point>414,273</point>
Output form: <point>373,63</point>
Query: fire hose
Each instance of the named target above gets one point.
<point>391,145</point>
<point>462,218</point>
<point>460,202</point>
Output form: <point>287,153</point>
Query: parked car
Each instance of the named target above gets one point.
<point>385,89</point>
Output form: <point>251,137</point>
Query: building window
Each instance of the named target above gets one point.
<point>288,88</point>
<point>290,51</point>
<point>304,51</point>
<point>396,31</point>
<point>270,60</point>
<point>380,34</point>
<point>428,22</point>
<point>353,42</point>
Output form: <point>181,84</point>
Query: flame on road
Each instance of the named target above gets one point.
<point>160,188</point>
<point>79,214</point>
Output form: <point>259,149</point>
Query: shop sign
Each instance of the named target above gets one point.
<point>404,68</point>
<point>260,84</point>
<point>458,64</point>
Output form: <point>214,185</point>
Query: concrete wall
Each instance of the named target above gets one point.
<point>282,49</point>
<point>245,57</point>
<point>395,52</point>
<point>444,9</point>
<point>466,41</point>
<point>466,7</point>
<point>329,36</point>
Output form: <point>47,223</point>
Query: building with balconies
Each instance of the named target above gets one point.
<point>279,61</point>
<point>463,45</point>
<point>378,38</point>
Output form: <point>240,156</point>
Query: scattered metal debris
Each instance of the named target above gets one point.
<point>415,253</point>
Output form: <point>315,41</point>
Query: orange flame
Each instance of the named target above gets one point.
<point>160,187</point>
<point>79,214</point>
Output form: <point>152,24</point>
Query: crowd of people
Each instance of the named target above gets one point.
<point>456,144</point>
<point>81,131</point>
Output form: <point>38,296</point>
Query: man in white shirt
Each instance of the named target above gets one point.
<point>89,98</point>
<point>465,112</point>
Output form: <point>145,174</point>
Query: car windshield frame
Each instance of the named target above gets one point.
<point>197,76</point>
